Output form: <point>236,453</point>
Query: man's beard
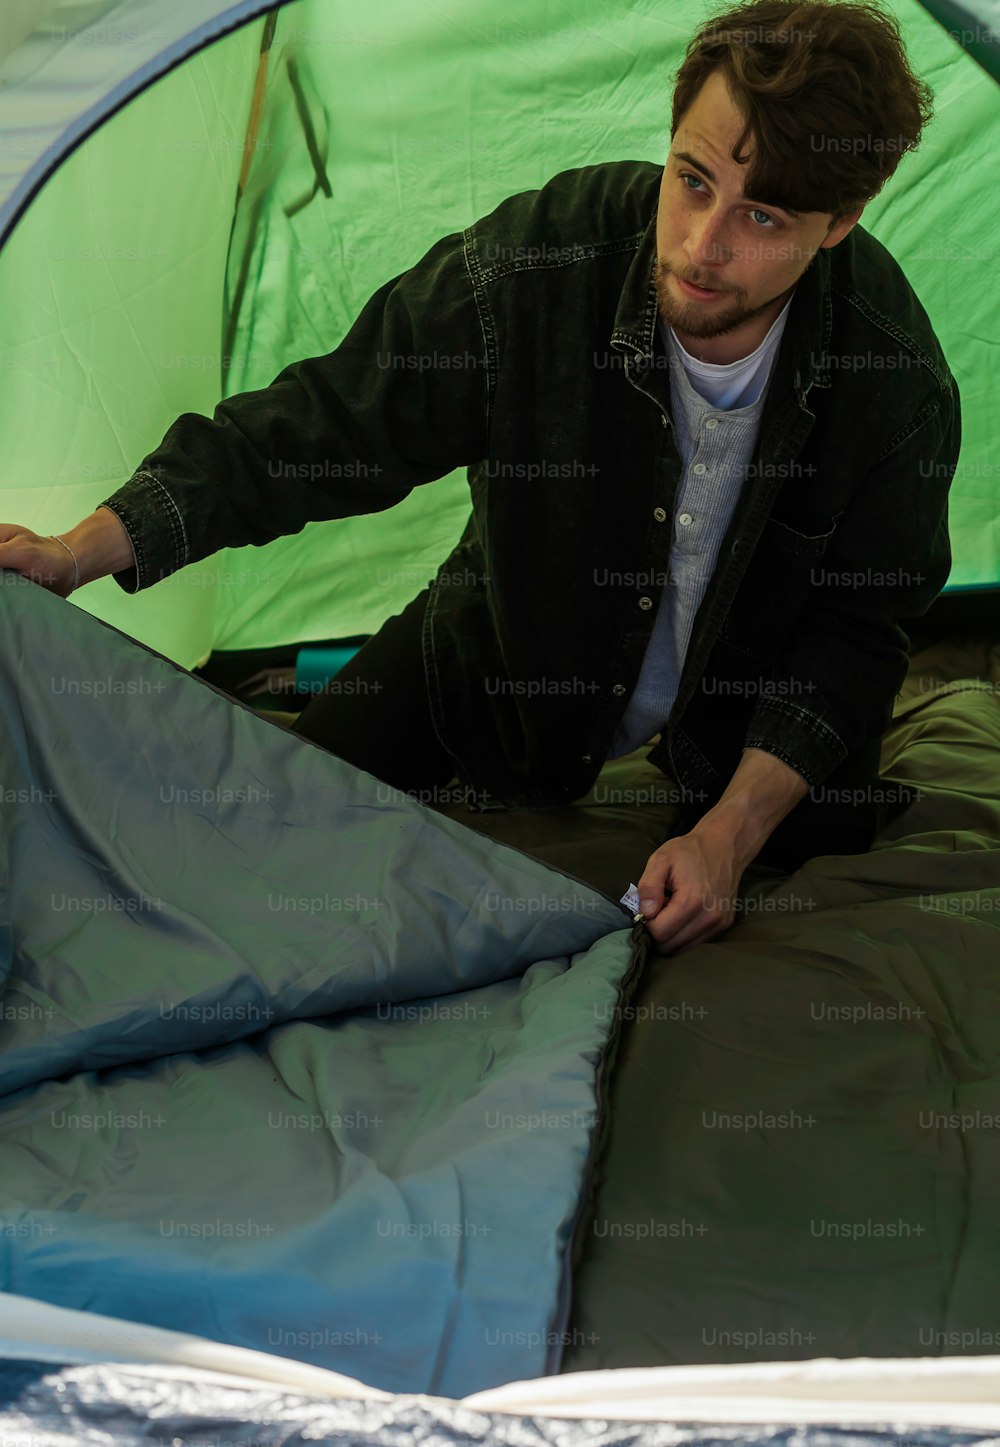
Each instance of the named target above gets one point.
<point>703,319</point>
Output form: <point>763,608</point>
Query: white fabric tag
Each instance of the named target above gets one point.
<point>630,899</point>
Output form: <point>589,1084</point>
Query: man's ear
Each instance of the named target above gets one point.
<point>838,231</point>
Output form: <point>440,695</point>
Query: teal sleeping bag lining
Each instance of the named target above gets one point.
<point>280,1063</point>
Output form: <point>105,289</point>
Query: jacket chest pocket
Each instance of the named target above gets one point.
<point>786,566</point>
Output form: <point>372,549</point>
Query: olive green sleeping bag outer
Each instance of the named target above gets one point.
<point>801,1152</point>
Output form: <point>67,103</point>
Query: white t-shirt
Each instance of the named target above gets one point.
<point>732,384</point>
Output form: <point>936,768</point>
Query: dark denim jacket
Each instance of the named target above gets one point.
<point>526,348</point>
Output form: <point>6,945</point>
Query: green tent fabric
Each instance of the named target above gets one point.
<point>976,27</point>
<point>132,288</point>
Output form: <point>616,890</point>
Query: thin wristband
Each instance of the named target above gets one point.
<point>76,566</point>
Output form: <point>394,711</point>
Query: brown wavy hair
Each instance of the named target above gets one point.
<point>827,91</point>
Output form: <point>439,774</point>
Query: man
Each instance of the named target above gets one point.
<point>710,434</point>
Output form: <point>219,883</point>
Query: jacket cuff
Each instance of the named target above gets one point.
<point>155,528</point>
<point>798,736</point>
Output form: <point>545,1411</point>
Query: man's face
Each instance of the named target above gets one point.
<point>709,234</point>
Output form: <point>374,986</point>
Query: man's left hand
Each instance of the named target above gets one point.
<point>702,869</point>
<point>701,872</point>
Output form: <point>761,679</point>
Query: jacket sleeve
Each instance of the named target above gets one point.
<point>401,401</point>
<point>836,679</point>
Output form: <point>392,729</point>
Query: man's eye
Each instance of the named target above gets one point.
<point>768,224</point>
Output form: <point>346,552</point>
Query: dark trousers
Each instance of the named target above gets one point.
<point>376,715</point>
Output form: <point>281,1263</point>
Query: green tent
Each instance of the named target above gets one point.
<point>193,195</point>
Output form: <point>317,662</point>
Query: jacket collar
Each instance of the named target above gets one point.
<point>803,356</point>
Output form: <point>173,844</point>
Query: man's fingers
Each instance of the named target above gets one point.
<point>693,932</point>
<point>655,886</point>
<point>685,941</point>
<point>676,915</point>
<point>652,896</point>
<point>665,886</point>
<point>694,917</point>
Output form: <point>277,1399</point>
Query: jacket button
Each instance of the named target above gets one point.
<point>645,604</point>
<point>618,690</point>
<point>660,514</point>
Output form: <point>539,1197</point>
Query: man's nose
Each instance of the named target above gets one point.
<point>706,241</point>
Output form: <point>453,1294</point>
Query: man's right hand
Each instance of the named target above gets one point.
<point>100,542</point>
<point>41,559</point>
